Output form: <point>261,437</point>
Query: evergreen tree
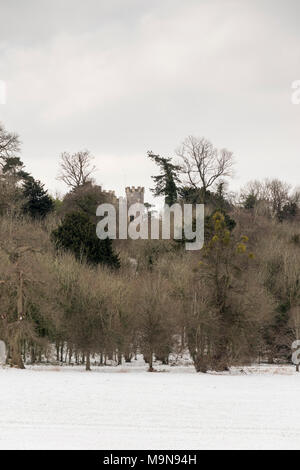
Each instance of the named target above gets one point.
<point>166,182</point>
<point>250,201</point>
<point>38,202</point>
<point>289,211</point>
<point>14,167</point>
<point>191,195</point>
<point>216,199</point>
<point>85,199</point>
<point>78,235</point>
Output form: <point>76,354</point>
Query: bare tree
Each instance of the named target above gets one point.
<point>270,197</point>
<point>76,168</point>
<point>9,144</point>
<point>202,163</point>
<point>278,192</point>
<point>256,189</point>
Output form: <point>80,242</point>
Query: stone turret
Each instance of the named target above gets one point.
<point>135,194</point>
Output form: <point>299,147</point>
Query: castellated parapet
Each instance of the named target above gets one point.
<point>135,194</point>
<point>110,195</point>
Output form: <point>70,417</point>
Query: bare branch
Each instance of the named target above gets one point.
<point>203,164</point>
<point>9,144</point>
<point>76,168</point>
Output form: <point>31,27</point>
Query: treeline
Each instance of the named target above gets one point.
<point>65,291</point>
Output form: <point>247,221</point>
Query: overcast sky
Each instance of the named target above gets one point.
<point>120,77</point>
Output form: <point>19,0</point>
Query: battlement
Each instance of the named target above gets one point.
<point>133,189</point>
<point>135,194</point>
<point>109,193</point>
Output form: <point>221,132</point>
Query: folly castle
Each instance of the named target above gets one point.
<point>133,194</point>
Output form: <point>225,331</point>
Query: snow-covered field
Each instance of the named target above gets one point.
<point>128,408</point>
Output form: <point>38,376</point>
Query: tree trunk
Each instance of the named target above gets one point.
<point>151,362</point>
<point>33,356</point>
<point>88,361</point>
<point>128,357</point>
<point>270,358</point>
<point>57,351</point>
<point>16,358</point>
<point>70,355</point>
<point>182,339</point>
<point>200,363</point>
<point>62,352</point>
<point>119,359</point>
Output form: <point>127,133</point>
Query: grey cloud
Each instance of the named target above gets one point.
<point>122,77</point>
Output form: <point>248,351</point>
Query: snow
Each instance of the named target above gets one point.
<point>125,407</point>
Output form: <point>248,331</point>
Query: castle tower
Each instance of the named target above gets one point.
<point>135,194</point>
<point>111,196</point>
